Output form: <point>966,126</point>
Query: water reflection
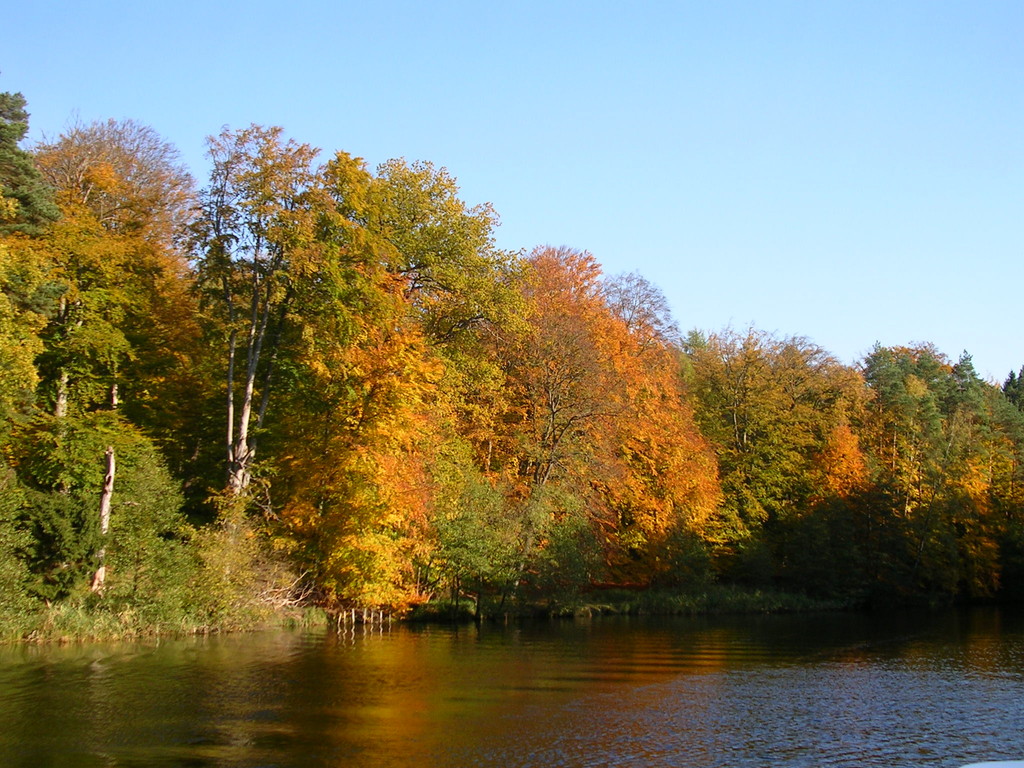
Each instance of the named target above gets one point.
<point>783,691</point>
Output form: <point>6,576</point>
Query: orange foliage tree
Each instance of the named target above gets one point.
<point>598,427</point>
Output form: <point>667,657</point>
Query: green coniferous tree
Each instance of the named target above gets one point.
<point>26,201</point>
<point>1013,388</point>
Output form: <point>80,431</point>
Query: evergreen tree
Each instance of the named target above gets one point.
<point>26,202</point>
<point>1013,388</point>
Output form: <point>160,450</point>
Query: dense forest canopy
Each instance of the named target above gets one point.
<point>304,380</point>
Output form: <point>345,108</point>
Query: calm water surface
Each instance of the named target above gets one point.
<point>909,690</point>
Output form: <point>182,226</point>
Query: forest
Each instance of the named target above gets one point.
<point>308,383</point>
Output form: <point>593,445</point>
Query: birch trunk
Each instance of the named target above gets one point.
<point>108,491</point>
<point>60,405</point>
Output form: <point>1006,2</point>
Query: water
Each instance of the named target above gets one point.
<point>843,690</point>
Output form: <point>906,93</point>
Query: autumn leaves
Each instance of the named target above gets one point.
<point>409,378</point>
<point>350,381</point>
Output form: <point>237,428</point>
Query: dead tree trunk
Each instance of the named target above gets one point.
<point>108,491</point>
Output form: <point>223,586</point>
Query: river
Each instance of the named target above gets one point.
<point>758,692</point>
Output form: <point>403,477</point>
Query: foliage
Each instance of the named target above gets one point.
<point>778,413</point>
<point>435,418</point>
<point>255,248</point>
<point>15,541</point>
<point>479,533</point>
<point>124,173</point>
<point>442,250</point>
<point>237,582</point>
<point>61,463</point>
<point>943,444</point>
<point>20,326</point>
<point>121,318</point>
<point>26,202</point>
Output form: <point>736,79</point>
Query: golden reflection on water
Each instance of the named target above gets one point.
<point>792,691</point>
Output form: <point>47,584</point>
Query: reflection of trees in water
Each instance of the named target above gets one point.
<point>825,690</point>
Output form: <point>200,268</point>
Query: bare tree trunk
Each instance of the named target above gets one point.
<point>60,406</point>
<point>60,411</point>
<point>108,491</point>
<point>242,450</point>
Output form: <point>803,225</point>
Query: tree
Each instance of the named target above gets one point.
<point>21,321</point>
<point>442,249</point>
<point>352,465</point>
<point>86,346</point>
<point>1013,388</point>
<point>644,310</point>
<point>599,436</point>
<point>120,279</point>
<point>101,278</point>
<point>458,287</point>
<point>131,180</point>
<point>255,245</point>
<point>939,445</point>
<point>769,406</point>
<point>356,417</point>
<point>61,463</point>
<point>660,486</point>
<point>26,202</point>
<point>559,370</point>
<point>478,531</point>
<point>383,378</point>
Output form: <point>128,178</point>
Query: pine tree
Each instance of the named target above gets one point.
<point>1013,388</point>
<point>26,202</point>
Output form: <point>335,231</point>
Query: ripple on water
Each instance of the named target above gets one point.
<point>827,714</point>
<point>790,692</point>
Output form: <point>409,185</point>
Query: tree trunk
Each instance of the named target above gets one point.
<point>108,491</point>
<point>60,405</point>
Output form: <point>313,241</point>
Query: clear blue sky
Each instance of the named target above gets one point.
<point>851,172</point>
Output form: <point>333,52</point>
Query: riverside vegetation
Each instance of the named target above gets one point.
<point>306,384</point>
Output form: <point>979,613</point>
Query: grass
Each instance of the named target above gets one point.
<point>71,622</point>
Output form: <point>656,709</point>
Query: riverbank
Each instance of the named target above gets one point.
<point>96,621</point>
<point>63,624</point>
<point>713,600</point>
<point>88,621</point>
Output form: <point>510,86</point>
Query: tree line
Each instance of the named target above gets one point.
<point>307,381</point>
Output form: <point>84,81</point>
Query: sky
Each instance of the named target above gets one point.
<point>849,172</point>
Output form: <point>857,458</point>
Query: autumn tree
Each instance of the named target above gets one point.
<point>21,321</point>
<point>122,279</point>
<point>661,486</point>
<point>559,370</point>
<point>943,455</point>
<point>360,409</point>
<point>391,365</point>
<point>86,341</point>
<point>255,246</point>
<point>461,290</point>
<point>600,440</point>
<point>91,286</point>
<point>770,407</point>
<point>131,179</point>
